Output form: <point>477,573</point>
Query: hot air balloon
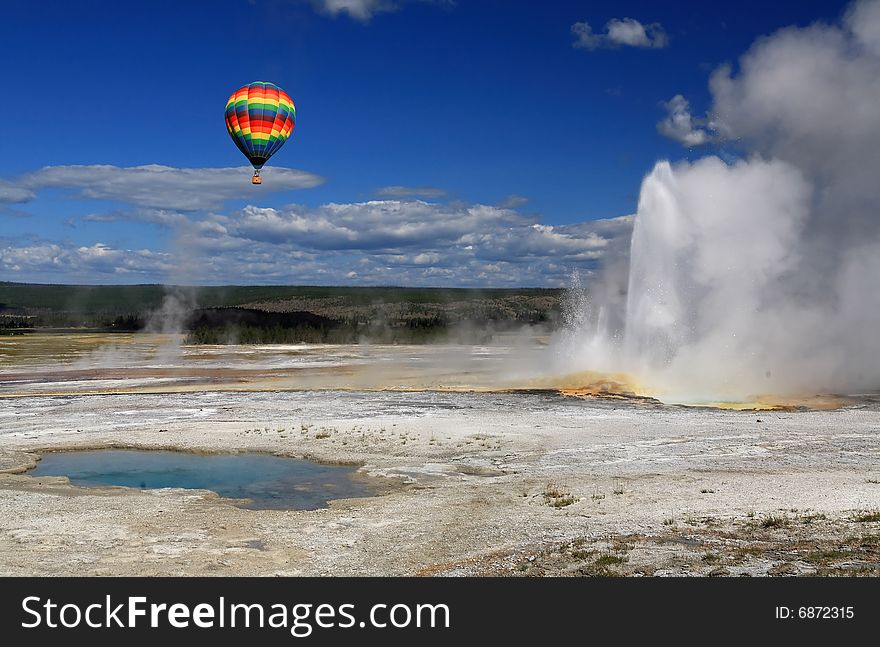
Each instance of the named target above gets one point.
<point>259,117</point>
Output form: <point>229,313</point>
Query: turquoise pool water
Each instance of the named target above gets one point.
<point>270,482</point>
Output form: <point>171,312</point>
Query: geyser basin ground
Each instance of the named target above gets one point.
<point>478,482</point>
<point>267,482</point>
<point>664,490</point>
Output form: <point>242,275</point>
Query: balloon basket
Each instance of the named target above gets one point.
<point>256,179</point>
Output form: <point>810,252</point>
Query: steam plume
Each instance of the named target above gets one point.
<point>761,276</point>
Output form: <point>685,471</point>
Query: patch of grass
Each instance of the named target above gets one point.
<point>669,521</point>
<point>786,568</point>
<point>865,570</point>
<point>807,519</point>
<point>824,556</point>
<point>865,540</point>
<point>610,559</point>
<point>618,488</point>
<point>774,521</point>
<point>866,516</point>
<point>557,496</point>
<point>591,570</point>
<point>621,546</point>
<point>707,491</point>
<point>873,481</point>
<point>321,435</point>
<point>711,558</point>
<point>582,554</point>
<point>745,552</point>
<point>578,549</point>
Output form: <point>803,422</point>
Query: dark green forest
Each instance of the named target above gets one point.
<point>279,314</point>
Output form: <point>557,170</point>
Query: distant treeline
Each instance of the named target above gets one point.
<point>12,325</point>
<point>243,326</point>
<point>284,314</point>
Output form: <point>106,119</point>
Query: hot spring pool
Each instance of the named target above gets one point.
<point>270,482</point>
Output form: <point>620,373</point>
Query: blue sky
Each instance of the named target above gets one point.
<point>475,142</point>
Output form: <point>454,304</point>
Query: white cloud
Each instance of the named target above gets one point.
<point>398,191</point>
<point>626,32</point>
<point>161,217</point>
<point>537,242</point>
<point>512,201</point>
<point>361,10</point>
<point>160,187</point>
<point>59,261</point>
<point>390,242</point>
<point>681,125</point>
<point>13,194</point>
<point>377,224</point>
<point>364,10</point>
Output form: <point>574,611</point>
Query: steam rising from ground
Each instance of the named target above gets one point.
<point>179,300</point>
<point>760,276</point>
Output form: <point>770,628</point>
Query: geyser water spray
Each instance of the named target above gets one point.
<point>760,276</point>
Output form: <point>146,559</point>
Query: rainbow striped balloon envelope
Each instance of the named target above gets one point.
<point>259,117</point>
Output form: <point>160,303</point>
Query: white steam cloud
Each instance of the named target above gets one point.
<point>761,276</point>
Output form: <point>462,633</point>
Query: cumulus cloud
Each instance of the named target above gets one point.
<point>620,32</point>
<point>681,125</point>
<point>398,191</point>
<point>13,194</point>
<point>430,230</point>
<point>537,242</point>
<point>383,241</point>
<point>158,187</point>
<point>377,224</point>
<point>41,259</point>
<point>389,240</point>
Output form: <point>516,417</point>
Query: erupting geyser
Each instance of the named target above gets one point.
<point>712,249</point>
<point>762,276</point>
